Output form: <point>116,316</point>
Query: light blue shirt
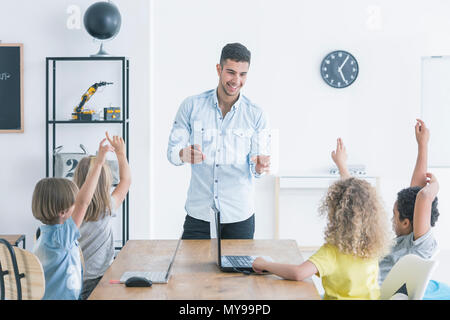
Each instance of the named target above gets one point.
<point>58,251</point>
<point>424,247</point>
<point>225,177</point>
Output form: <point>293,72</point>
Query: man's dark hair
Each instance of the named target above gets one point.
<point>236,52</point>
<point>406,200</point>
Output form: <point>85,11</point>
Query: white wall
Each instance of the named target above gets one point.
<point>41,27</point>
<point>375,115</point>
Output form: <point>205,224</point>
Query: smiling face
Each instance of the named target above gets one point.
<point>232,77</point>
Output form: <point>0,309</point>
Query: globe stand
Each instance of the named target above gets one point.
<point>101,52</point>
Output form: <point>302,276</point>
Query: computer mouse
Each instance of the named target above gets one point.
<point>138,282</point>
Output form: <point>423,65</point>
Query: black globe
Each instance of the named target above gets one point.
<point>102,20</point>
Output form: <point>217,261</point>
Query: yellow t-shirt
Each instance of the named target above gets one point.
<point>345,276</point>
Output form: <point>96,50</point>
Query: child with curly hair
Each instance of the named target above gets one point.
<point>356,236</point>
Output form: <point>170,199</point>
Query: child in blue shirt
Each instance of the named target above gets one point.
<point>415,213</point>
<point>59,205</point>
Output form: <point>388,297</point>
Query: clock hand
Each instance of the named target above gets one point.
<point>345,61</point>
<point>342,75</point>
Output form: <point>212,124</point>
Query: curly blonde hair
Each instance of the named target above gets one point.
<point>357,223</point>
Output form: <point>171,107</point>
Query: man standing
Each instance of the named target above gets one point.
<point>224,136</point>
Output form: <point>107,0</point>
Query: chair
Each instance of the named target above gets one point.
<point>21,274</point>
<point>435,254</point>
<point>411,270</point>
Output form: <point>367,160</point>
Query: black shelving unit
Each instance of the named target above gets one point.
<point>51,123</point>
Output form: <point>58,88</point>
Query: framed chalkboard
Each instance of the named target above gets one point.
<point>11,87</point>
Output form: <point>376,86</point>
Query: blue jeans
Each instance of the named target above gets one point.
<point>199,229</point>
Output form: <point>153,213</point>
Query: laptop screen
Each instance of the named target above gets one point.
<point>215,235</point>
<point>173,259</point>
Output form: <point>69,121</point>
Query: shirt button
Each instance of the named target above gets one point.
<point>216,181</point>
<point>215,197</point>
<point>217,165</point>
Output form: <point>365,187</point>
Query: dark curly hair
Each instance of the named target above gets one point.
<point>406,200</point>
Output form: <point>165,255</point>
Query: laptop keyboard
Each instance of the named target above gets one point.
<point>155,276</point>
<point>240,261</point>
<point>158,276</point>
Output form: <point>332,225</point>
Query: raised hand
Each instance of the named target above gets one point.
<point>421,167</point>
<point>117,143</point>
<point>431,178</point>
<point>339,157</point>
<point>103,149</point>
<point>422,133</point>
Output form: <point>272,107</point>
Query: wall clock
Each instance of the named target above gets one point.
<point>339,69</point>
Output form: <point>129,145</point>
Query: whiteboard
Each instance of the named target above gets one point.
<point>436,108</point>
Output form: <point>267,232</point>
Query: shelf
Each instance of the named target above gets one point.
<point>55,124</point>
<point>86,121</point>
<point>108,58</point>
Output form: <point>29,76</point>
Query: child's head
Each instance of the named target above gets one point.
<point>357,223</point>
<point>404,211</point>
<point>100,203</point>
<point>53,200</point>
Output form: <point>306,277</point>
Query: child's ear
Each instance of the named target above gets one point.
<point>63,213</point>
<point>406,223</point>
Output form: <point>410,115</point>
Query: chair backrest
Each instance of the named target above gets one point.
<point>30,284</point>
<point>411,270</point>
<point>435,254</point>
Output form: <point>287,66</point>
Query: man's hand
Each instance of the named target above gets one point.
<point>422,133</point>
<point>339,157</point>
<point>192,154</point>
<point>262,163</point>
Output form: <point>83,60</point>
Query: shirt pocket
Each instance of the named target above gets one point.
<point>239,144</point>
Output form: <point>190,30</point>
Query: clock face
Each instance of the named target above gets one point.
<point>339,69</point>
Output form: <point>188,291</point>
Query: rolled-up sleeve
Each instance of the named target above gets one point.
<point>180,133</point>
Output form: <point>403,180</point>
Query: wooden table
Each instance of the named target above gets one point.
<point>195,274</point>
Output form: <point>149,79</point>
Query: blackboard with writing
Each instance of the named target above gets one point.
<point>11,89</point>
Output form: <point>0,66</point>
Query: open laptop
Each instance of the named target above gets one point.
<point>154,276</point>
<point>229,263</point>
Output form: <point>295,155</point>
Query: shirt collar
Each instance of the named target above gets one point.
<point>235,105</point>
